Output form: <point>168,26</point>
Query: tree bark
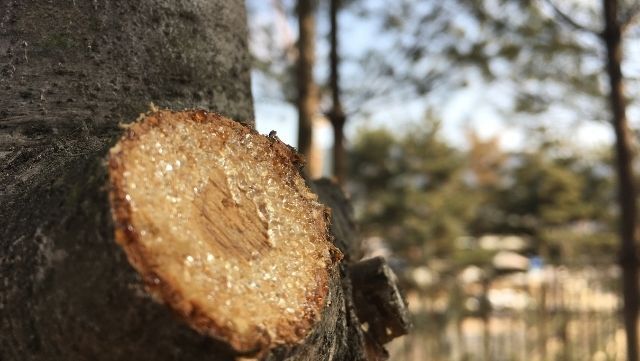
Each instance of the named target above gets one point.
<point>626,187</point>
<point>336,114</point>
<point>307,92</point>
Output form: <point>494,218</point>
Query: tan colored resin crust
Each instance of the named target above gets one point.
<point>221,226</point>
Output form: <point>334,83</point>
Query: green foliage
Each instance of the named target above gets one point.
<point>407,180</point>
<point>421,194</point>
<point>414,189</point>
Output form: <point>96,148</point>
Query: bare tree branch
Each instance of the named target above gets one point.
<point>568,20</point>
<point>630,16</point>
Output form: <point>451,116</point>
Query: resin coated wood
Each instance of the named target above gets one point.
<point>222,227</point>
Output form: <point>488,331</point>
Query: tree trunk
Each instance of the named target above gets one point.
<point>70,73</point>
<point>626,188</point>
<point>307,96</point>
<point>485,309</point>
<point>336,114</point>
<point>541,321</point>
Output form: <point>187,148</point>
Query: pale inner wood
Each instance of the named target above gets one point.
<point>227,222</point>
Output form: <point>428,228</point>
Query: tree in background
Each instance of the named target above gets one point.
<point>547,196</point>
<point>336,114</point>
<point>410,188</point>
<point>485,158</point>
<point>284,68</point>
<point>616,20</point>
<point>421,194</point>
<point>307,100</point>
<point>629,226</point>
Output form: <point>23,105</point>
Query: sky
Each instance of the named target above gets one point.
<point>471,106</point>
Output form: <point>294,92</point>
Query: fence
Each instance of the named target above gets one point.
<point>558,313</point>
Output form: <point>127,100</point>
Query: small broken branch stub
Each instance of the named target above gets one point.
<point>379,303</point>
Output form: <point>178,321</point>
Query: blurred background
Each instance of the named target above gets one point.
<point>488,147</point>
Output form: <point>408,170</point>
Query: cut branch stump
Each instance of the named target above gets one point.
<point>213,223</point>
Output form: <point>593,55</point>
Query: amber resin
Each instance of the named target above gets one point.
<point>221,226</point>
